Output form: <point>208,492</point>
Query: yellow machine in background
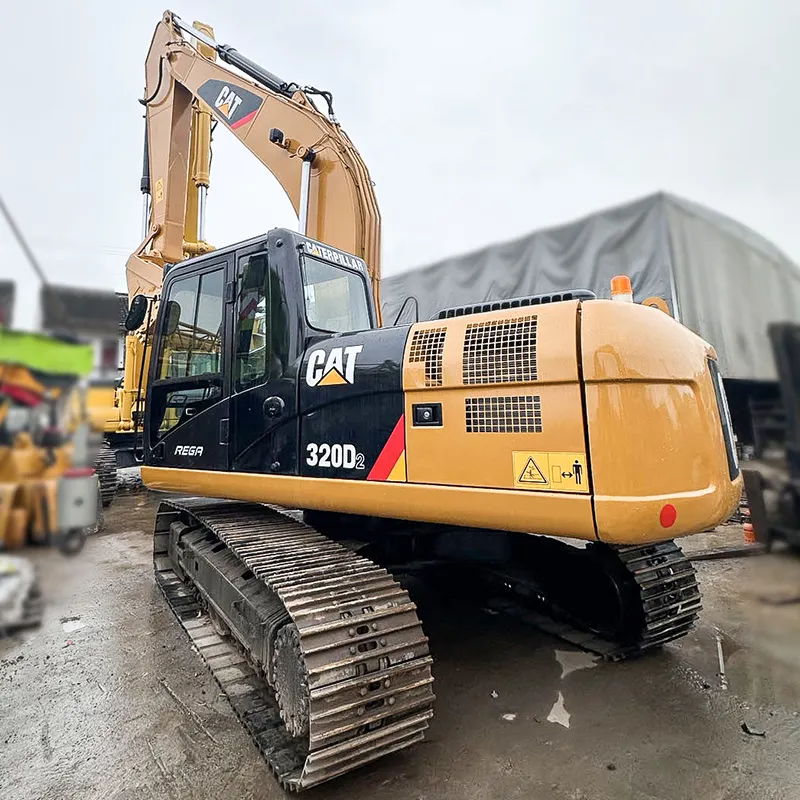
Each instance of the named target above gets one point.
<point>103,416</point>
<point>48,491</point>
<point>100,407</point>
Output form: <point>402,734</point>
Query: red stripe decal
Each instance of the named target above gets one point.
<point>394,446</point>
<point>243,120</point>
<point>26,396</point>
<point>79,472</point>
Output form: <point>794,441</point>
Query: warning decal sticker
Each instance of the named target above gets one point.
<point>531,473</point>
<point>551,472</point>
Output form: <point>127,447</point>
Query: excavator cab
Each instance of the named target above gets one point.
<point>230,338</point>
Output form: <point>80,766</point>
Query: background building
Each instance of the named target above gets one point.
<point>7,293</point>
<point>92,316</point>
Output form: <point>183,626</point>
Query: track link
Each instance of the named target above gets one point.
<point>106,468</point>
<point>666,587</point>
<point>364,686</point>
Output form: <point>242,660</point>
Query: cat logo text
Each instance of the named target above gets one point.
<point>334,368</point>
<point>234,105</point>
<point>227,101</point>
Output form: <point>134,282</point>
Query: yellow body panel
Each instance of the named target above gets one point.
<point>445,455</point>
<point>480,508</point>
<point>617,401</point>
<point>654,427</point>
<point>101,409</point>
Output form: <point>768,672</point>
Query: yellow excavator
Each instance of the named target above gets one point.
<point>472,438</point>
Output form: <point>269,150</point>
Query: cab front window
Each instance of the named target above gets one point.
<point>336,298</point>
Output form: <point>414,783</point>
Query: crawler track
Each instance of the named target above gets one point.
<point>663,583</point>
<point>106,468</point>
<point>327,665</point>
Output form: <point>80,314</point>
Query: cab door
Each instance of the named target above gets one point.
<point>188,402</point>
<point>264,421</point>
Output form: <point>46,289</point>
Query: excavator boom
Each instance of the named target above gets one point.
<point>308,152</point>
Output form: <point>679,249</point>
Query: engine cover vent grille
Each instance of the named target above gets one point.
<point>428,346</point>
<point>517,302</point>
<point>518,414</point>
<point>500,351</point>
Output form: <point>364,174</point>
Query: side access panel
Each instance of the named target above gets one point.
<point>351,407</point>
<point>493,400</point>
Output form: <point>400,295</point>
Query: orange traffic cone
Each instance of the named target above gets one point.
<point>749,530</point>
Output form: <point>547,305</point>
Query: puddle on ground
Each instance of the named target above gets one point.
<point>72,625</point>
<point>761,665</point>
<point>573,660</point>
<point>558,713</point>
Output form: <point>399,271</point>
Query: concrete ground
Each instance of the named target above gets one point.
<point>86,709</point>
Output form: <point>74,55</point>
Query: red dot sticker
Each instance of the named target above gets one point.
<point>668,515</point>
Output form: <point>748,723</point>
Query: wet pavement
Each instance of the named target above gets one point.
<point>87,707</point>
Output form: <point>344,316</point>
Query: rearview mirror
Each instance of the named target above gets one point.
<point>172,317</point>
<point>136,313</point>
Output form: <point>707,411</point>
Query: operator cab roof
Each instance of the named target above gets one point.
<point>303,244</point>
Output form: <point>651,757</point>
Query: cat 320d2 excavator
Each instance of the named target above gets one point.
<point>272,385</point>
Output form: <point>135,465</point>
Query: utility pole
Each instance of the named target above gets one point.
<point>37,267</point>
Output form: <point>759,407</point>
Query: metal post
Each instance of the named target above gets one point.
<point>305,191</point>
<point>201,212</point>
<point>23,243</point>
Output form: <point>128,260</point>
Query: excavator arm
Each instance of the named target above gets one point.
<point>310,155</point>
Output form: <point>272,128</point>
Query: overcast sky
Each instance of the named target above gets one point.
<point>478,121</point>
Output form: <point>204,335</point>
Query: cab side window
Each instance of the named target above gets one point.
<point>252,337</point>
<point>188,376</point>
<point>191,342</point>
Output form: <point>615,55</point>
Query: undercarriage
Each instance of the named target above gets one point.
<point>319,648</point>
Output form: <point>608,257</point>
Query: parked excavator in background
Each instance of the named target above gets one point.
<point>467,439</point>
<point>118,449</point>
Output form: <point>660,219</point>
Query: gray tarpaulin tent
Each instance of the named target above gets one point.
<point>720,278</point>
